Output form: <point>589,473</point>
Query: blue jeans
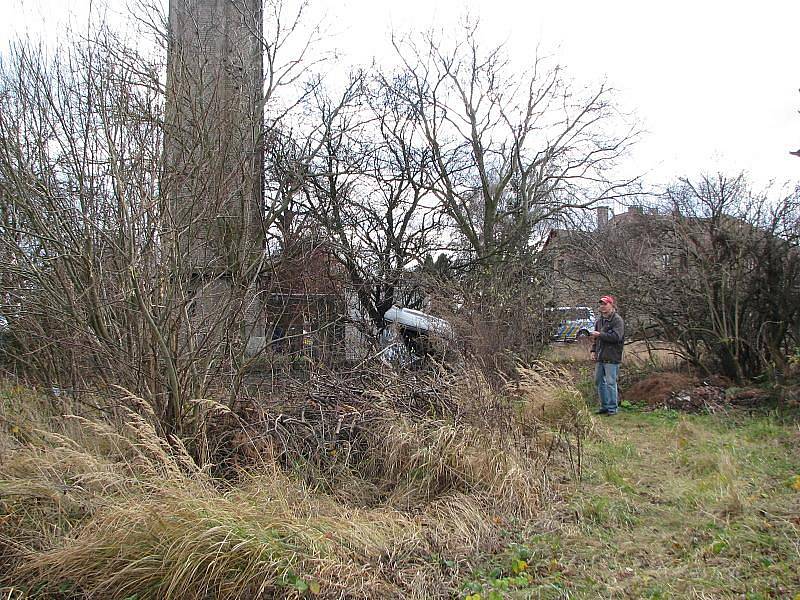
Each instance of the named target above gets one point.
<point>605,377</point>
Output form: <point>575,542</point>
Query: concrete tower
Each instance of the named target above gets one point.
<point>213,157</point>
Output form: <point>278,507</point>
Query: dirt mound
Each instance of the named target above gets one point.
<point>657,389</point>
<point>677,391</point>
<point>686,393</point>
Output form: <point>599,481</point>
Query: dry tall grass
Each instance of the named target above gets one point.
<point>658,356</point>
<point>93,507</point>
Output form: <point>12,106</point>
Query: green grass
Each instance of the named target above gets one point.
<point>672,506</point>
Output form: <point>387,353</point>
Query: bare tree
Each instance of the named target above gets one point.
<point>79,156</point>
<point>714,269</point>
<point>368,193</point>
<point>741,250</point>
<point>95,216</point>
<point>509,150</point>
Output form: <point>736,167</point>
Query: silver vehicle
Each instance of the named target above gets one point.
<point>412,334</point>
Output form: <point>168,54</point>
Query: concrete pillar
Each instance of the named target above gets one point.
<point>213,175</point>
<point>602,217</point>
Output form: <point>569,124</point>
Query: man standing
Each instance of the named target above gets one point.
<point>607,341</point>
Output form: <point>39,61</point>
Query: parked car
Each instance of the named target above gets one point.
<point>573,323</point>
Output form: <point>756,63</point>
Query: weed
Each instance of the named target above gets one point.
<point>670,506</point>
<point>90,507</point>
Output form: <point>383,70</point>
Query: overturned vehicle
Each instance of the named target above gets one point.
<point>411,336</point>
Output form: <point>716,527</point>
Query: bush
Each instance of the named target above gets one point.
<point>336,487</point>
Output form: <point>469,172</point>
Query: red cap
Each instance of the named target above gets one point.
<point>608,300</point>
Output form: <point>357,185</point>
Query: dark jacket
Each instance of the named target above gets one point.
<point>612,337</point>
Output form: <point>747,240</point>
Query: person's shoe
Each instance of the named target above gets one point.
<point>608,413</point>
<point>602,411</point>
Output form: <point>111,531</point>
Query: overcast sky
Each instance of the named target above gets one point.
<point>714,82</point>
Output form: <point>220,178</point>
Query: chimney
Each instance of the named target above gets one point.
<point>639,210</point>
<point>602,217</point>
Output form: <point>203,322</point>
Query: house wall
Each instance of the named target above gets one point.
<point>635,242</point>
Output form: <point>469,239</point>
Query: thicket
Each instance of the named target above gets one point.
<point>331,487</point>
<point>131,254</point>
<point>713,267</point>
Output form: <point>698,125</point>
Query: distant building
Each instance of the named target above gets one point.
<point>578,260</point>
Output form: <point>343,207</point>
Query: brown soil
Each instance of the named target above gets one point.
<point>659,388</point>
<point>686,393</point>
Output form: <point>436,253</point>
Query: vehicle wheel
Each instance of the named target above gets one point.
<point>582,336</point>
